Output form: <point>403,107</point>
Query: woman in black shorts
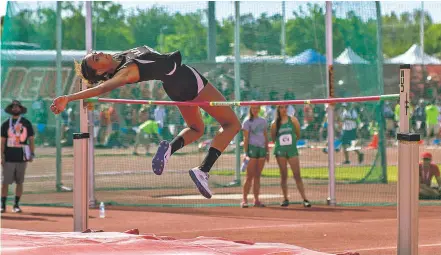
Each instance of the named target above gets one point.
<point>181,83</point>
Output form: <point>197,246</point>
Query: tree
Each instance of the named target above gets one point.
<point>73,26</point>
<point>432,41</point>
<point>110,30</point>
<point>190,37</point>
<point>147,25</point>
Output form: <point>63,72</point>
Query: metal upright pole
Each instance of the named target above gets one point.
<point>283,32</point>
<point>89,117</point>
<point>58,92</point>
<point>330,92</point>
<point>211,54</point>
<point>381,120</point>
<point>80,198</point>
<point>237,81</point>
<point>422,32</point>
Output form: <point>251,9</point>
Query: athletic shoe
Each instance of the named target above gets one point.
<point>306,203</point>
<point>3,210</point>
<point>258,204</point>
<point>201,180</point>
<point>285,203</point>
<point>161,157</point>
<point>244,205</point>
<point>16,209</point>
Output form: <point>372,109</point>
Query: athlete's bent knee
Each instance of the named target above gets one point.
<point>234,125</point>
<point>198,129</point>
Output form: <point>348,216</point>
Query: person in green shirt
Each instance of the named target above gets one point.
<point>432,124</point>
<point>285,130</point>
<point>147,133</point>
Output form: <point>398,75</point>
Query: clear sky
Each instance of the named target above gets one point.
<point>226,8</point>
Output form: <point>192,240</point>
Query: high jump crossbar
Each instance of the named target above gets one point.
<point>247,103</point>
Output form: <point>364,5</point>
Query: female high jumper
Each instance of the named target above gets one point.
<point>181,83</point>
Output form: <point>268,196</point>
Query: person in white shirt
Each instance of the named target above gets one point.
<point>159,114</point>
<point>291,111</point>
<point>348,117</point>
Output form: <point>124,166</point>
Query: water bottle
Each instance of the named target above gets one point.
<point>102,210</point>
<point>245,162</point>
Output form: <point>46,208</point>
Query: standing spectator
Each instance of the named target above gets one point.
<point>103,131</point>
<point>160,115</point>
<point>349,118</point>
<point>114,139</point>
<point>40,114</point>
<point>146,133</point>
<point>17,150</point>
<point>291,110</point>
<point>285,130</point>
<point>419,119</point>
<point>389,118</point>
<point>130,119</point>
<point>432,114</point>
<point>427,171</point>
<point>255,144</point>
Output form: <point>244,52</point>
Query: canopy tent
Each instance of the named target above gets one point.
<point>413,56</point>
<point>249,59</point>
<point>348,56</point>
<point>307,57</point>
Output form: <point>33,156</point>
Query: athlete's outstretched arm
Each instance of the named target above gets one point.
<point>104,87</point>
<point>123,77</point>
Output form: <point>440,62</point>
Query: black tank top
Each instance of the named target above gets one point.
<point>152,65</point>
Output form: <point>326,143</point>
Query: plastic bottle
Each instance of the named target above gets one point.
<point>245,162</point>
<point>102,210</point>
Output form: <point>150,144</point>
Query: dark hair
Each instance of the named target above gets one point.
<point>88,73</point>
<point>278,120</point>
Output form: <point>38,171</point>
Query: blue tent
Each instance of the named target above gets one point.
<point>307,57</point>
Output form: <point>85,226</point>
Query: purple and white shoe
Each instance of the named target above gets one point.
<point>161,157</point>
<point>200,178</point>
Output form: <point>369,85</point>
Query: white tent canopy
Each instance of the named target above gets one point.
<point>348,56</point>
<point>413,56</point>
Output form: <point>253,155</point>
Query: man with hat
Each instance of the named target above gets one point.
<point>428,170</point>
<point>17,150</point>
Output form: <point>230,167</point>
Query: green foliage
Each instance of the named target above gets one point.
<point>116,28</point>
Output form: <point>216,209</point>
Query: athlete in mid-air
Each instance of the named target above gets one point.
<point>181,82</point>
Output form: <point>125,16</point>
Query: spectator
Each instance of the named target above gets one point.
<point>40,113</point>
<point>285,130</point>
<point>160,115</point>
<point>419,119</point>
<point>255,144</point>
<point>114,139</point>
<point>389,118</point>
<point>17,150</point>
<point>146,133</point>
<point>349,127</point>
<point>432,114</point>
<point>428,170</point>
<point>130,119</point>
<point>104,125</point>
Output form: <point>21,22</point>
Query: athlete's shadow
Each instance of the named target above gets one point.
<point>318,209</point>
<point>23,218</point>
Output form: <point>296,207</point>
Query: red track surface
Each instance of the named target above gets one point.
<point>368,230</point>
